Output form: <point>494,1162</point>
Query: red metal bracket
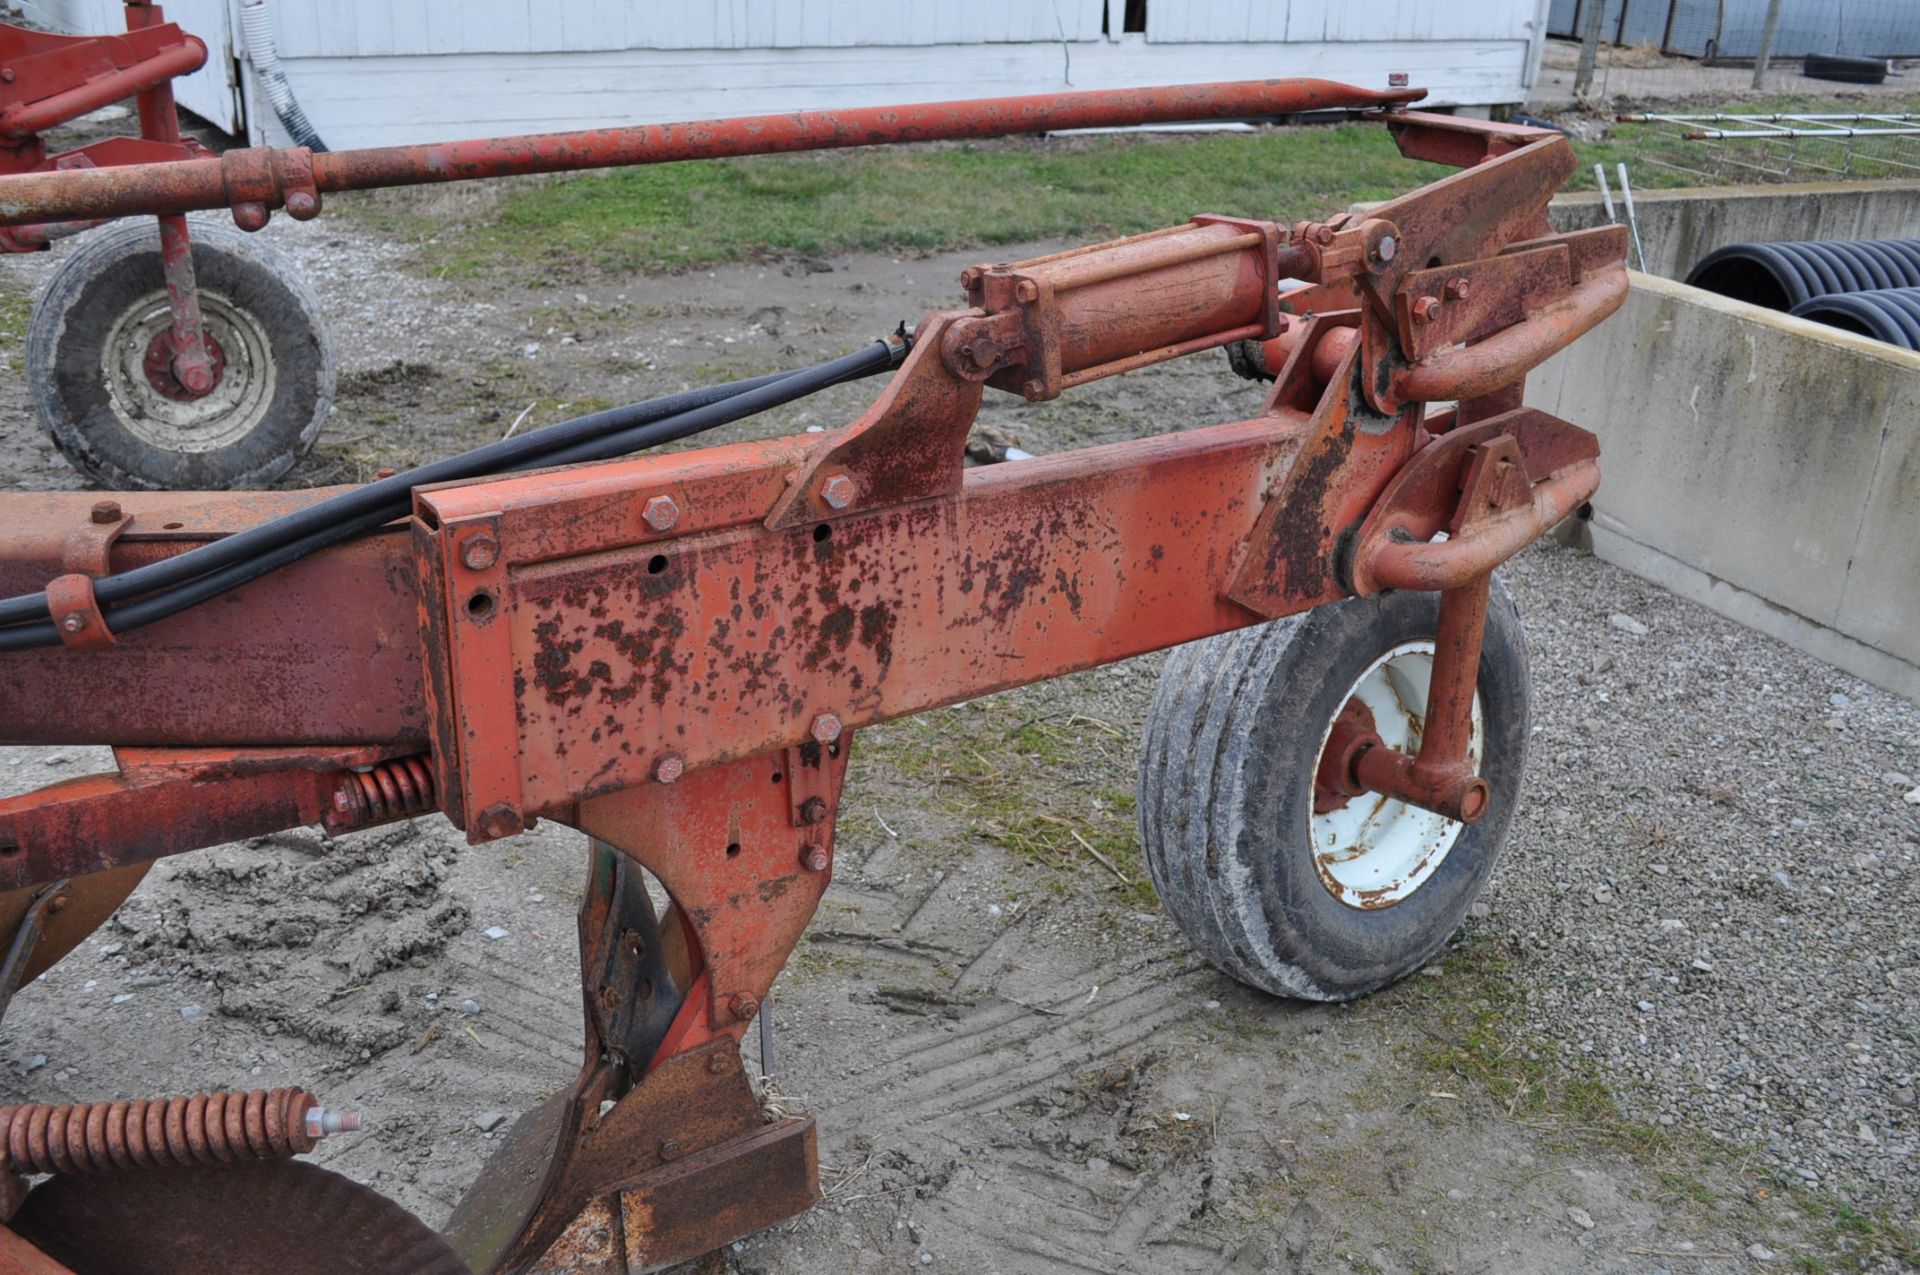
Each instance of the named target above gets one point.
<point>48,79</point>
<point>909,445</point>
<point>1545,469</point>
<point>77,616</point>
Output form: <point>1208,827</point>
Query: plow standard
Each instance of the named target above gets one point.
<point>674,654</point>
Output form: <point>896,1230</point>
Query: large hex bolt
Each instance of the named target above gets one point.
<point>1426,309</point>
<point>825,728</point>
<point>480,552</point>
<point>661,513</point>
<point>669,768</point>
<point>838,491</point>
<point>743,1006</point>
<point>498,821</point>
<point>106,511</point>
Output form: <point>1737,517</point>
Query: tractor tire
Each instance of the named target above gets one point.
<point>95,323</point>
<point>1825,66</point>
<point>1320,906</point>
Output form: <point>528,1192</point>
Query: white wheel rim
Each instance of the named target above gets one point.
<point>220,418</point>
<point>1375,851</point>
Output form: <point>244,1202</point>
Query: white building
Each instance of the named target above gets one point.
<point>381,72</point>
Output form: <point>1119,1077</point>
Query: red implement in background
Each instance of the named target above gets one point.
<point>48,80</point>
<point>672,653</point>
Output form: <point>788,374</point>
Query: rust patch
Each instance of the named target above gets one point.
<point>553,664</point>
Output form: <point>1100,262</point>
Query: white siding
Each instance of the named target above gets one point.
<point>380,28</point>
<point>393,100</point>
<point>1211,21</point>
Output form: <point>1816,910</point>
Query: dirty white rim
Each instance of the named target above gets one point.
<point>222,417</point>
<point>1375,851</point>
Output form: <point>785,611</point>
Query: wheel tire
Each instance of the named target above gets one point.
<point>1844,70</point>
<point>90,330</point>
<point>1226,796</point>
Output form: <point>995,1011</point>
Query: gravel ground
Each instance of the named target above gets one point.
<point>1716,874</point>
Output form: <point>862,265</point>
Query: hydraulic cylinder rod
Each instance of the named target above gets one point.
<point>257,179</point>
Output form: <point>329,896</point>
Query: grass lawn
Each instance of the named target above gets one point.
<point>920,198</point>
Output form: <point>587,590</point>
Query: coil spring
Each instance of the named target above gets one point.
<point>390,790</point>
<point>90,1137</point>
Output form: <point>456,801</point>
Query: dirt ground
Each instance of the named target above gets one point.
<point>1016,1062</point>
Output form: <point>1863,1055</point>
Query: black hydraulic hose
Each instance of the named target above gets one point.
<point>296,535</point>
<point>492,458</point>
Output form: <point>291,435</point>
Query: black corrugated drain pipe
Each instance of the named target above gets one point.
<point>1886,314</point>
<point>1781,276</point>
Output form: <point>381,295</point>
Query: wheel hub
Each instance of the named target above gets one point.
<point>1371,850</point>
<point>137,365</point>
<point>159,364</point>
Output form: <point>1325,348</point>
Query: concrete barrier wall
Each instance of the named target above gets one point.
<point>1678,227</point>
<point>1765,466</point>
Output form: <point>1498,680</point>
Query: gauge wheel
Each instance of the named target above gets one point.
<point>1296,891</point>
<point>102,384</point>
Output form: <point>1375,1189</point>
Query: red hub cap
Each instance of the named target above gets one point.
<point>159,367</point>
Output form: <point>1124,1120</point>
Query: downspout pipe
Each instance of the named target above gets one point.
<point>256,28</point>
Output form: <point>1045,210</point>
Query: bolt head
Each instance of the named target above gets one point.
<point>1426,309</point>
<point>74,622</point>
<point>106,511</point>
<point>480,552</point>
<point>1457,289</point>
<point>661,513</point>
<point>669,768</point>
<point>826,728</point>
<point>610,996</point>
<point>1027,291</point>
<point>670,1149</point>
<point>812,811</point>
<point>744,1006</point>
<point>1385,249</point>
<point>198,379</point>
<point>970,276</point>
<point>838,491</point>
<point>814,859</point>
<point>301,205</point>
<point>499,821</point>
<point>1034,390</point>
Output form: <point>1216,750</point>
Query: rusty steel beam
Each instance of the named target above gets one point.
<point>312,667</point>
<point>255,180</point>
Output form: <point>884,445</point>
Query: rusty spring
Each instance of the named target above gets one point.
<point>390,790</point>
<point>90,1137</point>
